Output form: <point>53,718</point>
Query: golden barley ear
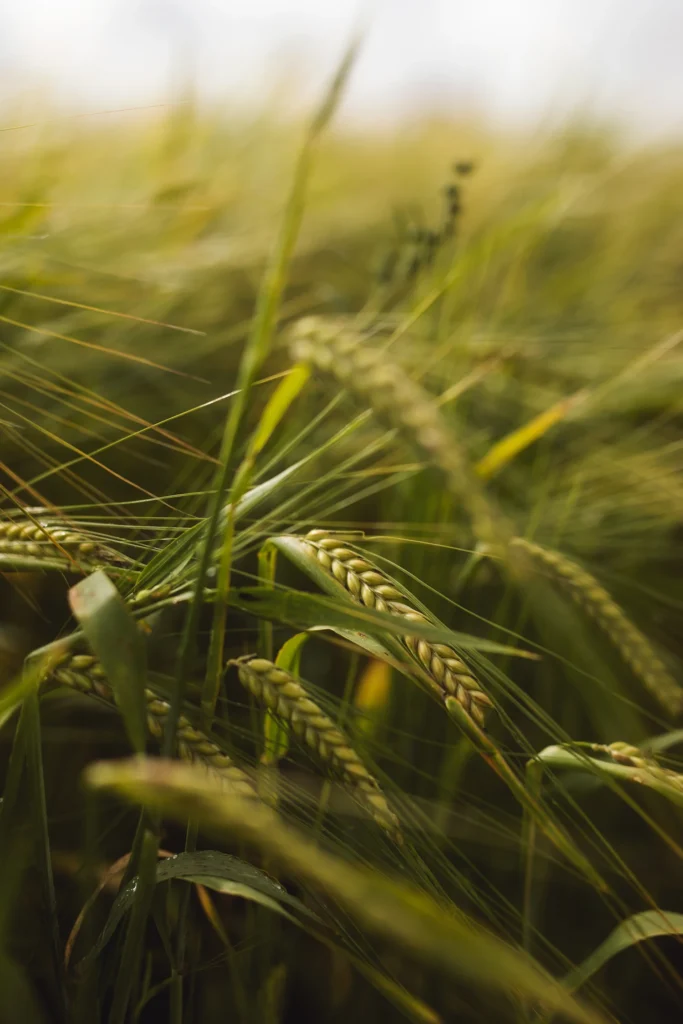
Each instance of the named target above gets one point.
<point>29,539</point>
<point>597,603</point>
<point>83,672</point>
<point>333,347</point>
<point>286,697</point>
<point>369,586</point>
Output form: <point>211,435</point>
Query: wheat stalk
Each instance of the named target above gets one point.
<point>28,539</point>
<point>334,348</point>
<point>83,672</point>
<point>286,697</point>
<point>589,594</point>
<point>370,587</point>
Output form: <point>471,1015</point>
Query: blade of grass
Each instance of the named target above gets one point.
<point>276,408</point>
<point>116,640</point>
<point>131,957</point>
<point>505,450</point>
<point>255,351</point>
<point>650,924</point>
<point>35,772</point>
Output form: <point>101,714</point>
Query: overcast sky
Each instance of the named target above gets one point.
<point>514,59</point>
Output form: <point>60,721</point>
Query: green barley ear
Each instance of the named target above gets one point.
<point>633,757</point>
<point>622,761</point>
<point>29,539</point>
<point>370,587</point>
<point>286,697</point>
<point>83,672</point>
<point>333,347</point>
<point>597,603</point>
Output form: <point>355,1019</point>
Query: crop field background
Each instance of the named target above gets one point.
<point>341,540</point>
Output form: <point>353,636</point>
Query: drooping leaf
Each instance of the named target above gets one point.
<point>650,924</point>
<point>215,870</point>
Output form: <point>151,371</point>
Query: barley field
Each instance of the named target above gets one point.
<point>341,673</point>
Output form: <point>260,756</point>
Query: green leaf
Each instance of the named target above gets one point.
<point>141,903</point>
<point>312,610</point>
<point>28,681</point>
<point>218,871</point>
<point>38,804</point>
<point>232,876</point>
<point>256,348</point>
<point>118,643</point>
<point>650,924</point>
<point>276,407</point>
<point>289,655</point>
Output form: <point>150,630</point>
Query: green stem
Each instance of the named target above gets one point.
<point>129,968</point>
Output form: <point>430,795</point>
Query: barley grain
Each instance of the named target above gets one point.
<point>83,672</point>
<point>368,586</point>
<point>35,539</point>
<point>286,697</point>
<point>335,348</point>
<point>590,595</point>
<point>633,757</point>
<point>150,595</point>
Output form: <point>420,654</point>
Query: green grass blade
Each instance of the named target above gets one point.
<point>131,957</point>
<point>650,924</point>
<point>527,799</point>
<point>255,351</point>
<point>316,611</point>
<point>36,778</point>
<point>118,643</point>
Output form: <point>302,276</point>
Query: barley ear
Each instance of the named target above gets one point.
<point>591,596</point>
<point>367,585</point>
<point>633,757</point>
<point>28,539</point>
<point>333,347</point>
<point>84,673</point>
<point>286,697</point>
